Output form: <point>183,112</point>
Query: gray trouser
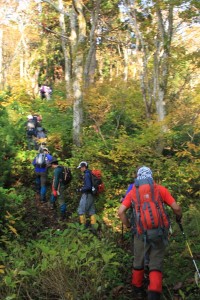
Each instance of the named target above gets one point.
<point>86,205</point>
<point>155,254</point>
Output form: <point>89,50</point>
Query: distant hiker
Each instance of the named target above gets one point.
<point>42,146</point>
<point>40,163</point>
<point>37,120</point>
<point>42,92</point>
<point>48,92</point>
<point>41,137</point>
<point>86,204</point>
<point>40,133</point>
<point>45,92</point>
<point>150,230</point>
<point>58,188</point>
<point>30,132</point>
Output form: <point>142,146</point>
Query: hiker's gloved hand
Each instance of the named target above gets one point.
<point>55,193</point>
<point>178,218</point>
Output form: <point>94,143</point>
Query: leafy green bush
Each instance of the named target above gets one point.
<point>69,264</point>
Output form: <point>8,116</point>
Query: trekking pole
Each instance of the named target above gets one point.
<point>122,231</point>
<point>190,251</point>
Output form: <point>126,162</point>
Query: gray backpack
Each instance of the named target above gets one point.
<point>41,160</point>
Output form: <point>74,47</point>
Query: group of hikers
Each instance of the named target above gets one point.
<point>61,178</point>
<point>149,222</point>
<point>146,199</point>
<point>35,133</point>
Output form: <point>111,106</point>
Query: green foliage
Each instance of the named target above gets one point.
<point>71,264</point>
<point>7,146</point>
<point>180,257</point>
<point>11,213</point>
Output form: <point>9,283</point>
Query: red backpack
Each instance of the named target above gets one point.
<point>149,211</point>
<point>98,186</point>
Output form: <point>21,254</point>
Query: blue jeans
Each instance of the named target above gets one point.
<point>41,180</point>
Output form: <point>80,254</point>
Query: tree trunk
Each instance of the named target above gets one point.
<point>1,60</point>
<point>90,64</point>
<point>161,60</point>
<point>126,59</point>
<point>65,49</point>
<point>78,38</point>
<point>154,80</point>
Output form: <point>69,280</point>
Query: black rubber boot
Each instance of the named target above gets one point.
<point>139,293</point>
<point>62,216</point>
<point>43,199</point>
<point>153,295</point>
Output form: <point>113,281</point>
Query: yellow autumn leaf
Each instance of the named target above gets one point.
<point>13,229</point>
<point>12,222</point>
<point>2,267</point>
<point>8,215</point>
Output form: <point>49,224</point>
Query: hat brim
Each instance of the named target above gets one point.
<point>53,162</point>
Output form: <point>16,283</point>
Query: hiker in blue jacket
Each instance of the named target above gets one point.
<point>86,204</point>
<point>41,173</point>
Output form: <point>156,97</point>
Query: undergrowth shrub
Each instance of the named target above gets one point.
<point>69,264</point>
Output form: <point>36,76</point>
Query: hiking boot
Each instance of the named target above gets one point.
<point>62,217</point>
<point>37,196</point>
<point>52,206</point>
<point>43,199</point>
<point>43,202</point>
<point>153,295</point>
<point>139,293</point>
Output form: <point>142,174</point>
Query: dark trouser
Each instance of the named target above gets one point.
<point>41,180</point>
<point>61,200</point>
<point>155,264</point>
<point>31,142</point>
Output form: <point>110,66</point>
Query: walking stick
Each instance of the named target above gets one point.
<point>190,251</point>
<point>122,231</point>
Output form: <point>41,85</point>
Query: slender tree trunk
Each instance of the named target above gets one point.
<point>142,57</point>
<point>161,60</point>
<point>78,42</point>
<point>126,58</point>
<point>1,60</point>
<point>65,49</point>
<point>90,64</point>
<point>21,64</point>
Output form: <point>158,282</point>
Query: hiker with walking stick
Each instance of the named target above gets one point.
<point>151,226</point>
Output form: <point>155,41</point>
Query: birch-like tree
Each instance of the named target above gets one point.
<point>154,24</point>
<point>78,40</point>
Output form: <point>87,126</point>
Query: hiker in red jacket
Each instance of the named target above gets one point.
<point>151,225</point>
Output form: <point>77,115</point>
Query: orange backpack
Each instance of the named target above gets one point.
<point>148,209</point>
